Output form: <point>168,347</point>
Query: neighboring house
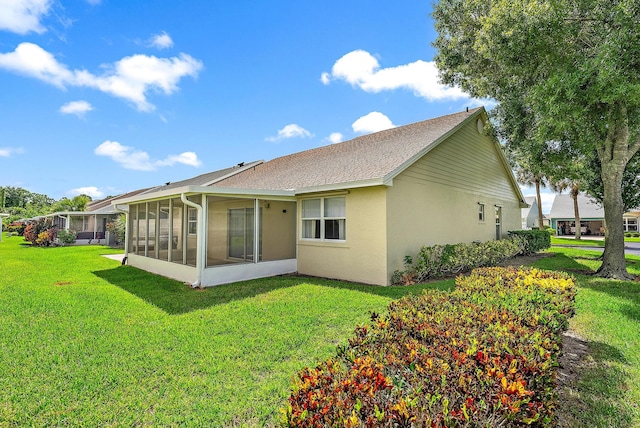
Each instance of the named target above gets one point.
<point>563,218</point>
<point>591,216</point>
<point>529,215</point>
<point>2,215</point>
<point>90,226</point>
<point>348,211</point>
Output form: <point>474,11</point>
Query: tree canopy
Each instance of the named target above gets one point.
<point>563,71</point>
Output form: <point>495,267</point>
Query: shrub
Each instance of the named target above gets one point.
<point>440,260</point>
<point>66,236</point>
<point>40,232</point>
<point>627,234</point>
<point>118,228</point>
<point>16,227</point>
<point>635,235</point>
<point>482,355</point>
<point>534,240</point>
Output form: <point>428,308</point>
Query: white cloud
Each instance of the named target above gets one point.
<point>79,108</point>
<point>131,158</point>
<point>372,122</point>
<point>130,78</point>
<point>361,69</point>
<point>290,131</point>
<point>92,191</point>
<point>335,137</point>
<point>23,16</point>
<point>6,152</point>
<point>161,41</point>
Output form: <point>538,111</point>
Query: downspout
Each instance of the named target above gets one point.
<point>200,239</point>
<point>126,230</point>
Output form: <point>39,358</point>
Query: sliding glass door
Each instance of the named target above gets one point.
<point>241,233</point>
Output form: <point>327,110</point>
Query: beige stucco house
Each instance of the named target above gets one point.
<point>349,211</point>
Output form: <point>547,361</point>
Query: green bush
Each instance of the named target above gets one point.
<point>627,234</point>
<point>483,355</point>
<point>534,240</point>
<point>635,235</point>
<point>66,236</point>
<point>440,260</point>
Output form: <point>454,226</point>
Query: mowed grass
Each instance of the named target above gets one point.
<point>583,242</point>
<point>607,393</point>
<point>87,342</point>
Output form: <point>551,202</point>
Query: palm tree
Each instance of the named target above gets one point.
<point>529,177</point>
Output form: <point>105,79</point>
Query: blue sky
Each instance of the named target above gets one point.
<point>104,97</point>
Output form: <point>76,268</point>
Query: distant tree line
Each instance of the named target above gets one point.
<point>22,204</point>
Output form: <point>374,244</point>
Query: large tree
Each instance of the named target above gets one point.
<point>571,65</point>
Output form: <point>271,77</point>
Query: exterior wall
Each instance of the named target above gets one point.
<point>436,200</point>
<point>278,230</point>
<point>362,256</point>
<point>170,270</point>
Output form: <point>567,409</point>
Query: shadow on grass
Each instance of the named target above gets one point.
<point>598,398</point>
<point>175,297</point>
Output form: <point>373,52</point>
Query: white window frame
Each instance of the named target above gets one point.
<point>322,219</point>
<point>627,220</point>
<point>481,213</point>
<point>192,223</point>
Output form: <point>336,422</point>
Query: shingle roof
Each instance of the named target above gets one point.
<point>204,179</point>
<point>563,207</point>
<point>370,157</point>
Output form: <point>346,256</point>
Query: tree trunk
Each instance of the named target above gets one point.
<point>576,214</point>
<point>614,156</point>
<point>540,218</point>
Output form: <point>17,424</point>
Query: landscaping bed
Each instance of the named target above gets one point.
<point>483,355</point>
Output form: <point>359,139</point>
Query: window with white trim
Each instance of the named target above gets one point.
<point>192,221</point>
<point>324,218</point>
<point>630,224</point>
<point>480,211</point>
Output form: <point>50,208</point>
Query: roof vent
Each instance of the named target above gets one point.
<point>167,183</point>
<point>241,164</point>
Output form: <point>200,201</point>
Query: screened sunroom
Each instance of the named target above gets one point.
<point>210,239</point>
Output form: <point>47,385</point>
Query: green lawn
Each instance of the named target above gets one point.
<point>85,341</point>
<point>557,240</point>
<point>608,317</point>
<point>584,242</point>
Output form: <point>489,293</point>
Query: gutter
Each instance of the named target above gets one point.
<point>126,231</point>
<point>200,235</point>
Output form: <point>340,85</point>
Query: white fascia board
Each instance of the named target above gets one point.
<point>212,191</point>
<point>393,174</point>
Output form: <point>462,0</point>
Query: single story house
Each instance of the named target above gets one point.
<point>349,211</point>
<point>563,218</point>
<point>591,216</point>
<point>2,215</point>
<point>529,215</point>
<point>90,226</point>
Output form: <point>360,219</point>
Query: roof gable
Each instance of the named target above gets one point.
<point>379,156</point>
<point>563,207</point>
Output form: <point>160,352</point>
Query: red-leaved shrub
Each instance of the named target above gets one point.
<point>482,355</point>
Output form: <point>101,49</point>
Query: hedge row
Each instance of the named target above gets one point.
<point>448,259</point>
<point>533,240</point>
<point>484,355</point>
